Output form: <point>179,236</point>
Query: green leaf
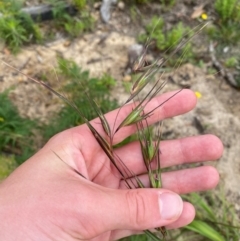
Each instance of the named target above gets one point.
<point>205,230</point>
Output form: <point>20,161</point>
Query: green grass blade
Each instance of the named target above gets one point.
<point>205,230</point>
<point>152,235</point>
<point>201,203</point>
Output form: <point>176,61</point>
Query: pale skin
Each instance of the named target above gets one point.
<point>45,199</point>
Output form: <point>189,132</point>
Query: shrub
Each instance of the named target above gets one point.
<point>16,136</point>
<point>16,27</point>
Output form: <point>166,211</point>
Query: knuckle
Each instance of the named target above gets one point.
<point>137,208</point>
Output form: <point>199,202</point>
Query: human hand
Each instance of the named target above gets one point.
<point>45,199</point>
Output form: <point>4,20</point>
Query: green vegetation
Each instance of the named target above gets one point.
<point>79,86</point>
<point>80,4</point>
<point>140,1</point>
<point>16,27</point>
<point>169,3</point>
<point>165,40</point>
<point>16,133</point>
<point>175,46</point>
<point>168,41</point>
<point>231,62</point>
<point>140,237</point>
<point>164,2</point>
<point>214,213</point>
<point>228,10</point>
<point>225,33</point>
<point>75,26</point>
<point>7,165</point>
<point>72,25</point>
<point>226,28</point>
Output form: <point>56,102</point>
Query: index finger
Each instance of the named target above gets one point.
<point>181,103</point>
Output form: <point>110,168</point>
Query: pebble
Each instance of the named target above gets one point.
<point>105,9</point>
<point>226,49</point>
<point>134,51</point>
<point>67,43</point>
<point>97,5</point>
<point>121,5</point>
<point>127,78</point>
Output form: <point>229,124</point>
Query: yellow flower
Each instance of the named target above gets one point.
<point>198,94</point>
<point>1,119</point>
<point>204,16</point>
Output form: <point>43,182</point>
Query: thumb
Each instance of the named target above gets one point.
<point>141,209</point>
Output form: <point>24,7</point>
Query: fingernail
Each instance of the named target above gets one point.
<point>171,206</point>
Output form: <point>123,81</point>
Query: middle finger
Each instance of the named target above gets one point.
<point>173,152</point>
<point>183,181</point>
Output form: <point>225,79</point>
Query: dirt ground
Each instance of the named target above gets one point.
<point>106,50</point>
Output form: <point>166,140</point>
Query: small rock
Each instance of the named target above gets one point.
<point>97,5</point>
<point>105,9</point>
<point>237,207</point>
<point>20,78</point>
<point>150,59</point>
<point>134,51</point>
<point>127,78</point>
<point>121,5</point>
<point>226,49</point>
<point>6,51</point>
<point>39,58</point>
<point>67,43</point>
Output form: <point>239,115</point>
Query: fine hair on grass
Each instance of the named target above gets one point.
<point>150,144</point>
